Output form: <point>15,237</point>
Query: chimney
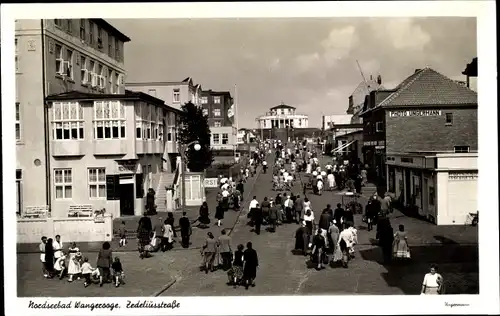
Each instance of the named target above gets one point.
<point>417,70</point>
<point>379,79</point>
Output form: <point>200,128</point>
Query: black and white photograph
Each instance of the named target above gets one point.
<point>222,158</point>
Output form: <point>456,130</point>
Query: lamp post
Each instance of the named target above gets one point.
<point>182,151</point>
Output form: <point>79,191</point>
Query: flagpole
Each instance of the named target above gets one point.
<point>236,116</point>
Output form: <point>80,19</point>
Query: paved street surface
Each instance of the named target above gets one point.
<point>453,248</point>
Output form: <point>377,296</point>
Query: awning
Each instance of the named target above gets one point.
<point>342,147</point>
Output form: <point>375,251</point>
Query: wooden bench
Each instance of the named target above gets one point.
<point>36,212</point>
<point>80,210</point>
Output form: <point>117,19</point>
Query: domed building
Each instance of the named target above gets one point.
<point>282,116</point>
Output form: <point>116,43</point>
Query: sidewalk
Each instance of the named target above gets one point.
<point>197,238</point>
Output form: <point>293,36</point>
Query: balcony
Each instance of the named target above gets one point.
<point>67,148</point>
<point>105,147</point>
<point>144,146</point>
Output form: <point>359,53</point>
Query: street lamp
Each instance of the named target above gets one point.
<point>182,151</point>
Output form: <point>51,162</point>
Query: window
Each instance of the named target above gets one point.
<point>159,116</point>
<point>225,139</point>
<point>97,183</point>
<point>177,96</point>
<point>216,139</point>
<point>117,83</point>
<point>101,77</point>
<point>82,29</point>
<point>379,126</point>
<point>19,180</point>
<point>152,92</point>
<point>282,111</point>
<point>170,134</point>
<point>216,112</point>
<point>110,78</point>
<point>68,122</point>
<point>93,75</point>
<point>109,120</point>
<point>84,72</point>
<point>117,50</point>
<point>91,32</point>
<point>449,118</point>
<point>59,59</point>
<point>18,122</point>
<point>217,124</point>
<point>205,112</point>
<point>63,182</point>
<point>204,100</point>
<point>217,100</point>
<point>69,26</point>
<point>431,195</point>
<point>110,45</point>
<point>99,37</point>
<point>461,149</point>
<point>58,22</point>
<point>68,64</point>
<point>17,57</point>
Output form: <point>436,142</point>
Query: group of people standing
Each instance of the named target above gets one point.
<point>240,265</point>
<point>58,263</point>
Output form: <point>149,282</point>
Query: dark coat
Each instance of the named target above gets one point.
<point>324,221</point>
<point>185,225</point>
<point>204,215</point>
<point>219,212</point>
<point>273,212</point>
<point>251,263</point>
<point>338,214</point>
<point>240,187</point>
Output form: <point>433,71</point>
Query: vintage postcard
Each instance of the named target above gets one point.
<point>250,158</point>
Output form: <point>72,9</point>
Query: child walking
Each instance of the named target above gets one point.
<point>118,274</point>
<point>60,266</point>
<point>122,232</point>
<point>87,272</point>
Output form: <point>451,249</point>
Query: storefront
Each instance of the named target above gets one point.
<point>441,188</point>
<point>374,158</point>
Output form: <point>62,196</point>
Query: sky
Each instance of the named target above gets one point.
<point>308,63</point>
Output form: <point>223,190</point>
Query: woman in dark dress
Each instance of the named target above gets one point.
<point>204,218</point>
<point>219,213</point>
<point>251,262</point>
<point>104,261</point>
<point>144,234</point>
<point>385,236</point>
<point>49,258</point>
<point>236,200</point>
<point>301,239</point>
<point>236,273</point>
<point>318,251</point>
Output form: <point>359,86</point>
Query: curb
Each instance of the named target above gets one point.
<point>164,288</point>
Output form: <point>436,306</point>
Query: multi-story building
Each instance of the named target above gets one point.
<point>218,106</point>
<point>424,133</point>
<point>282,116</point>
<point>53,57</point>
<point>174,93</point>
<point>97,160</point>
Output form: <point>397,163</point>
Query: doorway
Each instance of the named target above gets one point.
<point>127,199</point>
<point>408,199</point>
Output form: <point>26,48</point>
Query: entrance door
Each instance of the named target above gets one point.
<point>407,186</point>
<point>127,199</point>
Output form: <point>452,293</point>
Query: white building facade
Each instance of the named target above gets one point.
<point>282,116</point>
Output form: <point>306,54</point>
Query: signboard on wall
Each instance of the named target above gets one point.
<point>127,167</point>
<point>412,113</point>
<point>211,182</point>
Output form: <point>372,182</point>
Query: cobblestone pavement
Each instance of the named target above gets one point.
<point>453,248</point>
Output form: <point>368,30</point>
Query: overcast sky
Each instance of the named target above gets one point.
<point>307,63</point>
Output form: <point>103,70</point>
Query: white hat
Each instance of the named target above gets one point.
<point>315,173</point>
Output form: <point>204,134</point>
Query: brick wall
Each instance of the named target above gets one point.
<point>369,125</point>
<point>430,133</point>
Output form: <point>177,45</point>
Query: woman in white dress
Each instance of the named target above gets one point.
<point>433,282</point>
<point>320,186</point>
<point>74,266</point>
<point>331,181</point>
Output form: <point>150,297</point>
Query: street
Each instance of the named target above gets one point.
<point>453,248</point>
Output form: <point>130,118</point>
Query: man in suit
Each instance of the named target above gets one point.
<point>298,207</point>
<point>186,230</point>
<point>224,242</point>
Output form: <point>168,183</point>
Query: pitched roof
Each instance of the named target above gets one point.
<point>282,106</point>
<point>429,87</point>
